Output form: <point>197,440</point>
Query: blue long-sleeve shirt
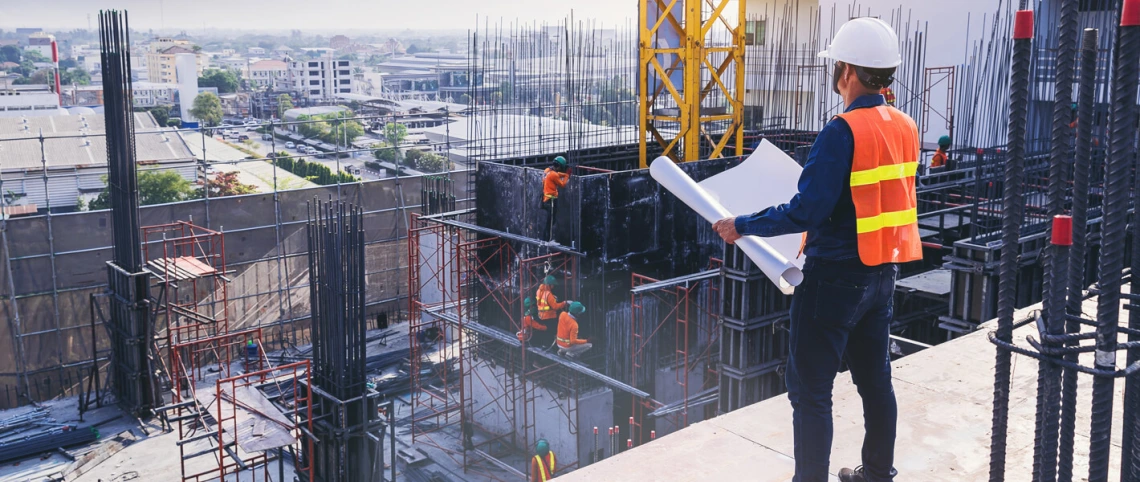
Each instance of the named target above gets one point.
<point>823,207</point>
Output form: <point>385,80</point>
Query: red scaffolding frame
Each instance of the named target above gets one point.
<point>451,275</point>
<point>931,78</point>
<point>190,371</point>
<point>684,313</point>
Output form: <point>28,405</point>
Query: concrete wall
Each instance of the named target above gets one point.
<point>50,265</point>
<point>667,389</point>
<point>565,422</point>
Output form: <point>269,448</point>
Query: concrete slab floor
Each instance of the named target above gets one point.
<point>945,397</point>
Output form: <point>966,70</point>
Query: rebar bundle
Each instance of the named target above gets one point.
<point>1076,282</point>
<point>336,280</point>
<point>1012,205</point>
<point>131,328</point>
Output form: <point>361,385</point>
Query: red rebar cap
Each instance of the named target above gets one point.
<point>1130,13</point>
<point>629,443</point>
<point>1062,230</point>
<point>595,430</point>
<point>1023,25</point>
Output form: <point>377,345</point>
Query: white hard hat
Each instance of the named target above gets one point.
<point>865,42</point>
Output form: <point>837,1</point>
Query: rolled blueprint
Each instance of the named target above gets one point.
<point>775,266</point>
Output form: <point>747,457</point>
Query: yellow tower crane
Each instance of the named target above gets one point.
<point>691,77</point>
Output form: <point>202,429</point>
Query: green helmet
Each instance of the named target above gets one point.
<point>527,302</point>
<point>560,161</point>
<point>542,447</point>
<point>577,308</point>
<point>944,142</point>
<point>550,280</point>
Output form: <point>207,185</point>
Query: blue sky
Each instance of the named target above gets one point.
<point>307,14</point>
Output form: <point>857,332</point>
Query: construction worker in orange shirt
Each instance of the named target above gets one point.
<point>940,157</point>
<point>548,304</point>
<point>569,345</point>
<point>533,332</point>
<point>554,178</point>
<point>542,465</point>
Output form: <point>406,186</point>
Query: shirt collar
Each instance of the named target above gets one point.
<point>867,100</point>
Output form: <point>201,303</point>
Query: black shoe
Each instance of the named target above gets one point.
<point>848,475</point>
<point>856,475</point>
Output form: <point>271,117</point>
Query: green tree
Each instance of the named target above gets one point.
<point>431,162</point>
<point>413,48</point>
<point>155,187</point>
<point>394,134</point>
<point>386,154</point>
<point>35,56</point>
<point>74,77</point>
<point>10,53</point>
<point>161,114</point>
<point>465,99</point>
<point>225,81</point>
<point>65,64</point>
<point>284,103</point>
<point>227,184</point>
<point>208,109</point>
<point>174,122</point>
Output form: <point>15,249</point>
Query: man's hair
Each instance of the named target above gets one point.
<point>874,78</point>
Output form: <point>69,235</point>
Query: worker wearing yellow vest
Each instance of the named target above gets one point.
<point>542,465</point>
<point>857,203</point>
<point>548,304</point>
<point>554,178</point>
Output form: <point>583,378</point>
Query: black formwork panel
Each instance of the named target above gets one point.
<point>974,278</point>
<point>754,334</point>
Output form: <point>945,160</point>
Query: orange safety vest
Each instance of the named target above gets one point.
<point>545,470</point>
<point>568,331</point>
<point>889,95</point>
<point>882,185</point>
<point>552,181</point>
<point>547,310</point>
<point>939,158</point>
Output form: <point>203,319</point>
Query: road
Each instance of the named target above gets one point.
<point>263,147</point>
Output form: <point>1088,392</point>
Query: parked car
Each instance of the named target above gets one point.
<point>290,145</point>
<point>266,137</point>
<point>243,137</point>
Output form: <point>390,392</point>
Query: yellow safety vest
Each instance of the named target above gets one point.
<point>544,472</point>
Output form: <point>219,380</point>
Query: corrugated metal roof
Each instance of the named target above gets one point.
<point>20,144</point>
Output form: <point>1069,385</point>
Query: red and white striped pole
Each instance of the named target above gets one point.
<point>55,61</point>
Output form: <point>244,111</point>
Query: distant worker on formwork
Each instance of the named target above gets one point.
<point>542,465</point>
<point>888,95</point>
<point>940,156</point>
<point>554,179</point>
<point>569,344</point>
<point>548,304</point>
<point>857,203</point>
<point>533,332</point>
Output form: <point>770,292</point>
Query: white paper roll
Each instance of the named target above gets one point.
<point>775,266</point>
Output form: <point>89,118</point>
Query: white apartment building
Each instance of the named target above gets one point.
<point>321,78</point>
<point>41,43</point>
<point>271,74</point>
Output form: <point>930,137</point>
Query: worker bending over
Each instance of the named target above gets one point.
<point>548,304</point>
<point>534,332</point>
<point>940,157</point>
<point>857,203</point>
<point>542,465</point>
<point>554,179</point>
<point>569,344</point>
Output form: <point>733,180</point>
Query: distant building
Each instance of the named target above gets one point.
<point>271,74</point>
<point>160,59</point>
<point>255,51</point>
<point>78,161</point>
<point>40,43</point>
<point>24,33</point>
<point>28,101</point>
<point>339,42</point>
<point>292,115</point>
<point>282,51</point>
<point>320,79</point>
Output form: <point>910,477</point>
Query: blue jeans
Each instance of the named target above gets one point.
<point>842,312</point>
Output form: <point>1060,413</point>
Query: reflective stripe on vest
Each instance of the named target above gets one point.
<point>543,293</point>
<point>545,470</point>
<point>883,169</point>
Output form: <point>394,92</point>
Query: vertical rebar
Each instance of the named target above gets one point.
<point>1118,167</point>
<point>1077,253</point>
<point>1128,50</point>
<point>1055,260</point>
<point>1011,232</point>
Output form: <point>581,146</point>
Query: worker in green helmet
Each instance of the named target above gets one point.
<point>542,466</point>
<point>554,179</point>
<point>548,304</point>
<point>569,344</point>
<point>534,332</point>
<point>940,156</point>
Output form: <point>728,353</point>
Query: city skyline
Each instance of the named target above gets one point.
<point>333,15</point>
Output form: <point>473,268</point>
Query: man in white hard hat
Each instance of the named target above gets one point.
<point>857,204</point>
